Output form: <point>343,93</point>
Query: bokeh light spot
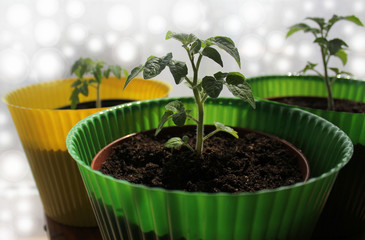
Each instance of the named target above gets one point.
<point>68,51</point>
<point>358,66</point>
<point>253,13</point>
<point>14,166</point>
<point>48,64</point>
<point>283,65</point>
<point>111,38</point>
<point>6,139</point>
<point>7,232</point>
<point>75,9</point>
<point>252,47</point>
<point>77,33</point>
<point>233,25</point>
<point>126,50</point>
<point>276,41</point>
<point>25,224</point>
<point>120,17</point>
<point>47,7</point>
<point>47,32</point>
<point>13,66</point>
<point>305,50</point>
<point>187,14</point>
<point>3,119</point>
<point>18,15</point>
<point>156,24</point>
<point>358,42</point>
<point>95,44</point>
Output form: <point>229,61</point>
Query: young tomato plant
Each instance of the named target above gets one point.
<point>81,85</point>
<point>209,86</point>
<point>329,47</point>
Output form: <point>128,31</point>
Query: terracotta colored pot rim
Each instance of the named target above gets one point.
<point>302,161</point>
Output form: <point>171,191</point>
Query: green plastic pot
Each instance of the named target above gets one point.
<point>42,130</point>
<point>131,211</point>
<point>344,213</point>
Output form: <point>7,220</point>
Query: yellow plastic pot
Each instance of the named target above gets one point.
<point>42,130</point>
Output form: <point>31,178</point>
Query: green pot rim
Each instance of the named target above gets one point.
<point>311,180</point>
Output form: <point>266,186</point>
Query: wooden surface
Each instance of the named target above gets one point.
<point>58,231</point>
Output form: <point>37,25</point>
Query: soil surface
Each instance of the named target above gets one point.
<point>92,104</point>
<point>251,163</point>
<point>341,105</point>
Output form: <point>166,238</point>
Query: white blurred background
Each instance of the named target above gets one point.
<point>40,40</point>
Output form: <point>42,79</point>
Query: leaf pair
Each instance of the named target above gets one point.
<point>177,142</point>
<point>235,82</point>
<point>178,69</point>
<point>155,65</point>
<point>223,43</point>
<point>324,26</point>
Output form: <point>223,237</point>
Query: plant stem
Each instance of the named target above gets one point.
<point>98,100</point>
<point>200,105</point>
<point>330,101</point>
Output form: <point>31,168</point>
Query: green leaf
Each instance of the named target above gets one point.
<point>297,27</point>
<point>76,83</point>
<point>213,54</point>
<point>106,73</point>
<point>351,18</point>
<point>321,41</point>
<point>98,74</point>
<point>155,66</point>
<point>133,74</point>
<point>125,72</point>
<point>195,47</point>
<point>165,117</point>
<point>116,70</point>
<point>354,19</point>
<point>84,89</point>
<point>335,45</point>
<point>92,81</point>
<point>74,98</point>
<point>335,70</point>
<point>179,70</point>
<point>179,116</point>
<point>212,86</point>
<point>240,88</point>
<point>309,66</point>
<point>220,75</point>
<point>320,21</point>
<point>82,66</point>
<point>222,127</point>
<point>174,142</point>
<point>227,45</point>
<point>76,65</point>
<point>184,38</point>
<point>342,55</point>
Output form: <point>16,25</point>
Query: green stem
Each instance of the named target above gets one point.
<point>330,102</point>
<point>98,100</point>
<point>188,146</point>
<point>199,104</point>
<point>211,134</point>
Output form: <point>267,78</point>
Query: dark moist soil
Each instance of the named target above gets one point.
<point>92,104</point>
<point>341,105</point>
<point>248,164</point>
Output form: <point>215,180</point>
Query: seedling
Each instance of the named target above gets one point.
<point>329,48</point>
<point>209,86</point>
<point>81,85</point>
